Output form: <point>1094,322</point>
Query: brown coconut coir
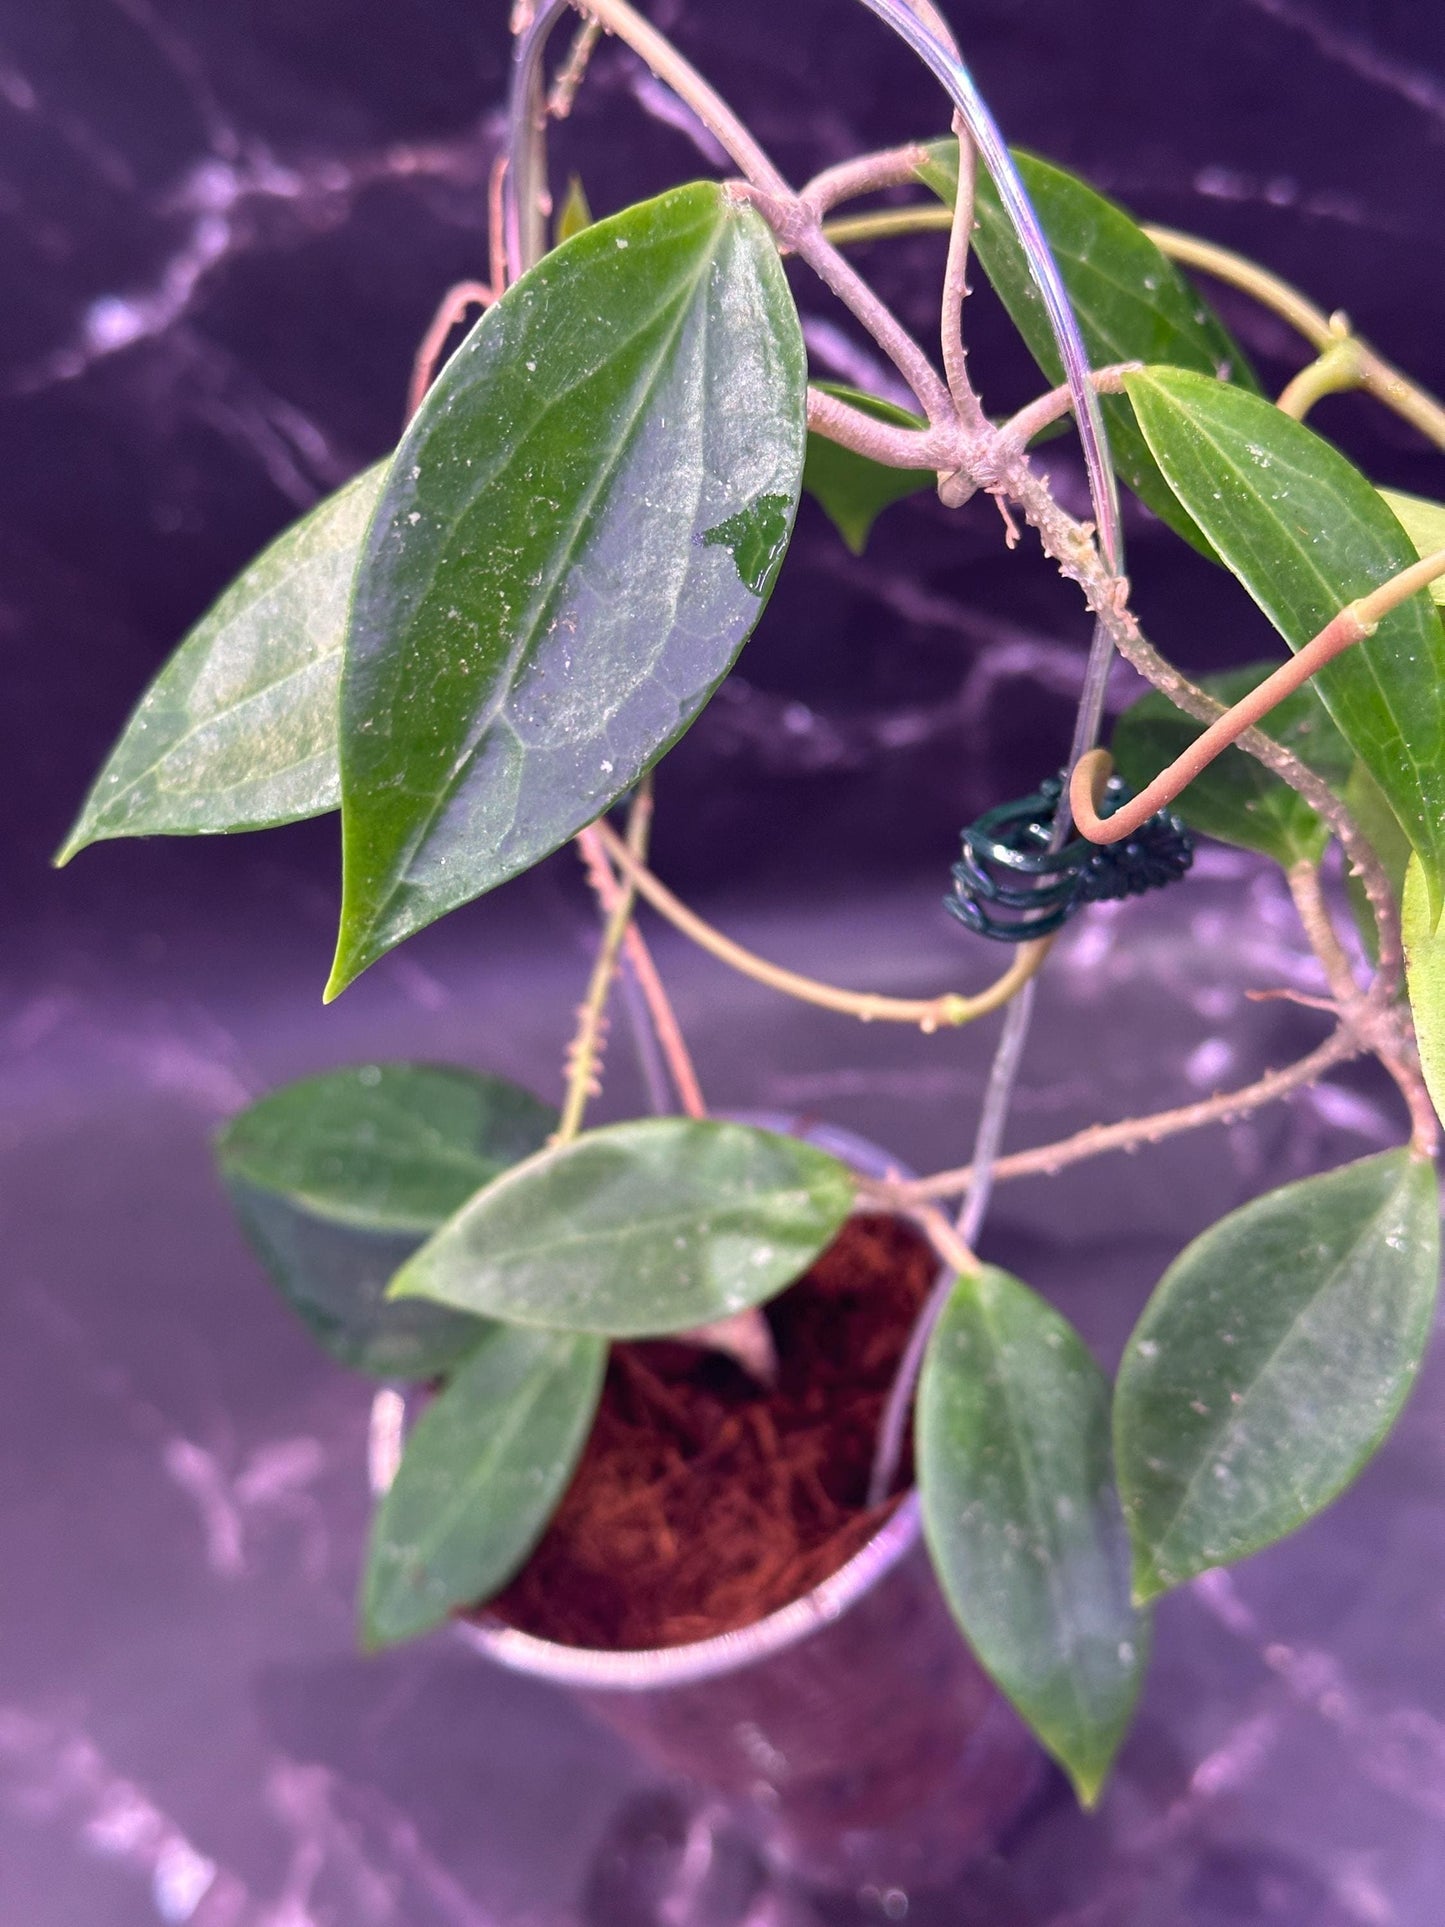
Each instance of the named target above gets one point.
<point>704,1501</point>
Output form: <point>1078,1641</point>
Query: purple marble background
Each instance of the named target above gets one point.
<point>225,223</point>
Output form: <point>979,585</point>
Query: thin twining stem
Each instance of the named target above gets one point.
<point>497,225</point>
<point>886,442</point>
<point>1043,412</point>
<point>955,284</point>
<point>615,16</point>
<point>916,25</point>
<point>795,226</point>
<point>1130,1134</point>
<point>957,1261</point>
<point>1378,377</point>
<point>687,83</point>
<point>943,1235</point>
<point>573,71</point>
<point>1381,1024</point>
<point>663,1018</point>
<point>1353,624</point>
<point>466,294</point>
<point>883,223</point>
<point>1314,915</point>
<point>1334,372</point>
<point>452,309</point>
<point>584,1059</point>
<point>1069,543</point>
<point>928,1013</point>
<point>987,1143</point>
<point>1359,851</point>
<point>1238,271</point>
<point>1345,361</point>
<point>865,174</point>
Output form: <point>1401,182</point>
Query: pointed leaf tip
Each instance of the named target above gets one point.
<point>238,731</point>
<point>1023,1521</point>
<point>539,613</point>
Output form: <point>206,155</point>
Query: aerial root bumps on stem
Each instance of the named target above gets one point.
<point>1130,1134</point>
<point>665,1027</point>
<point>584,1057</point>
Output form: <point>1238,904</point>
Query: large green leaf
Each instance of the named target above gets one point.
<point>1132,303</point>
<point>638,1229</point>
<point>1023,1521</point>
<point>1271,1361</point>
<point>337,1180</point>
<point>238,731</point>
<point>481,1475</point>
<point>1425,981</point>
<point>852,489</point>
<point>1424,523</point>
<point>1237,799</point>
<point>1306,534</point>
<point>580,529</point>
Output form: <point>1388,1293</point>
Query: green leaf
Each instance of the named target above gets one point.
<point>580,529</point>
<point>480,1477</point>
<point>1424,523</point>
<point>1023,1521</point>
<point>1364,799</point>
<point>1132,303</point>
<point>1425,981</point>
<point>638,1230</point>
<point>852,489</point>
<point>1270,1363</point>
<point>1237,799</point>
<point>337,1180</point>
<point>1306,534</point>
<point>238,731</point>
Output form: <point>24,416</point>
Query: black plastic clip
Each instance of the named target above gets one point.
<point>1009,885</point>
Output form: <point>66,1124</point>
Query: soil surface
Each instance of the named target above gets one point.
<point>703,1501</point>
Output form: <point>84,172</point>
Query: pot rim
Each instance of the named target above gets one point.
<point>700,1659</point>
<point>645,1667</point>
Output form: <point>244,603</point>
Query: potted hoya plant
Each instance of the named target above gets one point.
<point>670,1401</point>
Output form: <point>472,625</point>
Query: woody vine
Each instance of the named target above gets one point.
<point>484,645</point>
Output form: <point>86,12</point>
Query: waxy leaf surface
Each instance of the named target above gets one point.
<point>852,489</point>
<point>1237,799</point>
<point>482,1473</point>
<point>338,1179</point>
<point>1425,981</point>
<point>638,1229</point>
<point>1306,534</point>
<point>581,527</point>
<point>1271,1361</point>
<point>1023,1521</point>
<point>1132,303</point>
<point>239,729</point>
